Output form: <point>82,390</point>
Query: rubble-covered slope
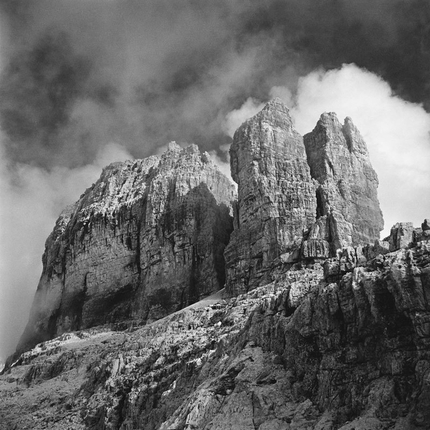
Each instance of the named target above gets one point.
<point>305,351</point>
<point>145,240</point>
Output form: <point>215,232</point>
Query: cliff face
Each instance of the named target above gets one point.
<point>302,352</point>
<point>276,195</point>
<point>145,240</point>
<point>346,192</point>
<point>298,199</point>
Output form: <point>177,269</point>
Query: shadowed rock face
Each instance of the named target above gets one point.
<point>145,240</point>
<point>347,201</point>
<point>276,195</point>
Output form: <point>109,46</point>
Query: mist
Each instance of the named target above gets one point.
<point>84,82</point>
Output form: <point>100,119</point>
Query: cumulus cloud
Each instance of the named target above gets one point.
<point>147,72</point>
<point>31,200</point>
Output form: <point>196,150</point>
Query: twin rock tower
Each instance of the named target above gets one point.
<point>152,236</point>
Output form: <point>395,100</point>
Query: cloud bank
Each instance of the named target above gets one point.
<point>80,73</point>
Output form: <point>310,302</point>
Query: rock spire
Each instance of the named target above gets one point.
<point>346,192</point>
<point>298,198</point>
<point>276,195</point>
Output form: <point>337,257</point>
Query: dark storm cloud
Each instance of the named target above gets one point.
<point>83,73</point>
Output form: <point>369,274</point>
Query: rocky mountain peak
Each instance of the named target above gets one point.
<point>277,105</point>
<point>145,240</point>
<point>298,197</point>
<point>346,184</point>
<point>276,195</point>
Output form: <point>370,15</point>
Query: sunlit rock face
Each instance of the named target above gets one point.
<point>347,204</point>
<point>145,240</point>
<point>276,195</point>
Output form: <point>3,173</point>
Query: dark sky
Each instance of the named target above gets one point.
<point>80,73</point>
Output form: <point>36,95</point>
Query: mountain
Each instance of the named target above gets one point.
<point>144,241</point>
<point>321,325</point>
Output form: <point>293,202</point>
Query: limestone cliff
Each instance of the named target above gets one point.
<point>346,193</point>
<point>298,199</point>
<point>322,325</point>
<point>276,195</point>
<point>145,240</point>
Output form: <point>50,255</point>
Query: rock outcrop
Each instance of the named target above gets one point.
<point>298,199</point>
<point>347,202</point>
<point>276,196</point>
<point>145,240</point>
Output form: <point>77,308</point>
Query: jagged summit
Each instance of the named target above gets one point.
<point>149,236</point>
<point>346,182</point>
<point>276,195</point>
<point>332,127</point>
<point>276,104</point>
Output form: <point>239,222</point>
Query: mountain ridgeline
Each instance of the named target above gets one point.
<point>155,235</point>
<point>172,300</point>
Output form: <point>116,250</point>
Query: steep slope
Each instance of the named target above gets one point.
<point>145,240</point>
<point>321,326</point>
<point>299,200</point>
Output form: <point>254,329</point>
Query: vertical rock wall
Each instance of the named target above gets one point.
<point>276,195</point>
<point>347,201</point>
<point>145,240</point>
<point>317,194</point>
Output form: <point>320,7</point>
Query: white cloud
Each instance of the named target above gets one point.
<point>223,162</point>
<point>31,200</point>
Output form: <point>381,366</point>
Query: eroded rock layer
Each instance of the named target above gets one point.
<point>276,195</point>
<point>145,240</point>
